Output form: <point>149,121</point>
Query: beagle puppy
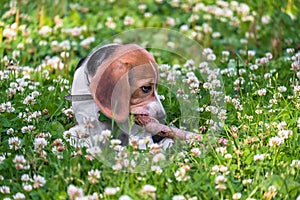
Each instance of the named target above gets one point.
<point>117,82</point>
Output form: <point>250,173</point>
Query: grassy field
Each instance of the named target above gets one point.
<point>228,70</point>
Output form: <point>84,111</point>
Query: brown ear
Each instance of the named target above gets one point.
<point>111,91</point>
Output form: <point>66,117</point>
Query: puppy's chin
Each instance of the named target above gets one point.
<point>143,119</point>
<point>144,113</point>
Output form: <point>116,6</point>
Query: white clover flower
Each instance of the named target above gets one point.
<point>65,45</point>
<point>170,21</point>
<point>244,41</point>
<point>27,187</point>
<point>247,181</point>
<point>263,61</point>
<point>181,174</point>
<point>54,45</point>
<point>215,169</point>
<point>272,188</point>
<point>296,90</point>
<point>242,9</point>
<point>158,157</point>
<point>39,143</point>
<point>220,179</point>
<point>125,197</point>
<point>7,107</point>
<point>154,147</point>
<point>295,66</point>
<point>207,85</point>
<point>51,88</point>
<point>55,62</point>
<point>262,92</point>
<point>43,43</point>
<point>117,167</point>
<point>228,99</point>
<point>259,157</point>
<point>207,51</point>
<point>2,158</point>
<point>225,53</point>
<point>211,57</point>
<point>253,67</point>
<point>9,33</point>
<point>298,75</point>
<point>223,169</point>
<point>265,19</point>
<point>13,85</point>
<point>259,111</point>
<point>221,187</point>
<point>78,132</point>
<point>110,23</point>
<point>216,35</point>
<point>94,151</point>
<point>75,32</point>
<point>148,188</point>
<point>25,178</point>
<point>195,151</point>
<point>19,195</point>
<point>282,89</point>
<point>228,156</point>
<point>142,7</point>
<point>45,31</point>
<point>290,50</point>
<point>74,192</point>
<point>236,196</point>
<point>156,169</point>
<point>29,100</point>
<point>4,189</point>
<point>285,133</point>
<point>115,142</point>
<point>93,176</point>
<point>111,190</point>
<point>178,197</point>
<point>295,163</point>
<point>221,150</point>
<point>192,18</point>
<point>106,133</point>
<point>147,14</point>
<point>38,181</point>
<point>276,141</point>
<point>77,136</point>
<point>128,21</point>
<point>14,143</point>
<point>36,114</point>
<point>64,54</point>
<point>19,161</point>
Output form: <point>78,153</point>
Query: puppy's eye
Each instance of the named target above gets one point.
<point>146,89</point>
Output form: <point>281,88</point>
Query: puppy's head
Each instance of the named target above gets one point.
<point>126,83</point>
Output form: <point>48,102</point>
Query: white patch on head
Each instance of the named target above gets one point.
<point>156,109</point>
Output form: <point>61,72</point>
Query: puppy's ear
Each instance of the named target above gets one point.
<point>111,91</point>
